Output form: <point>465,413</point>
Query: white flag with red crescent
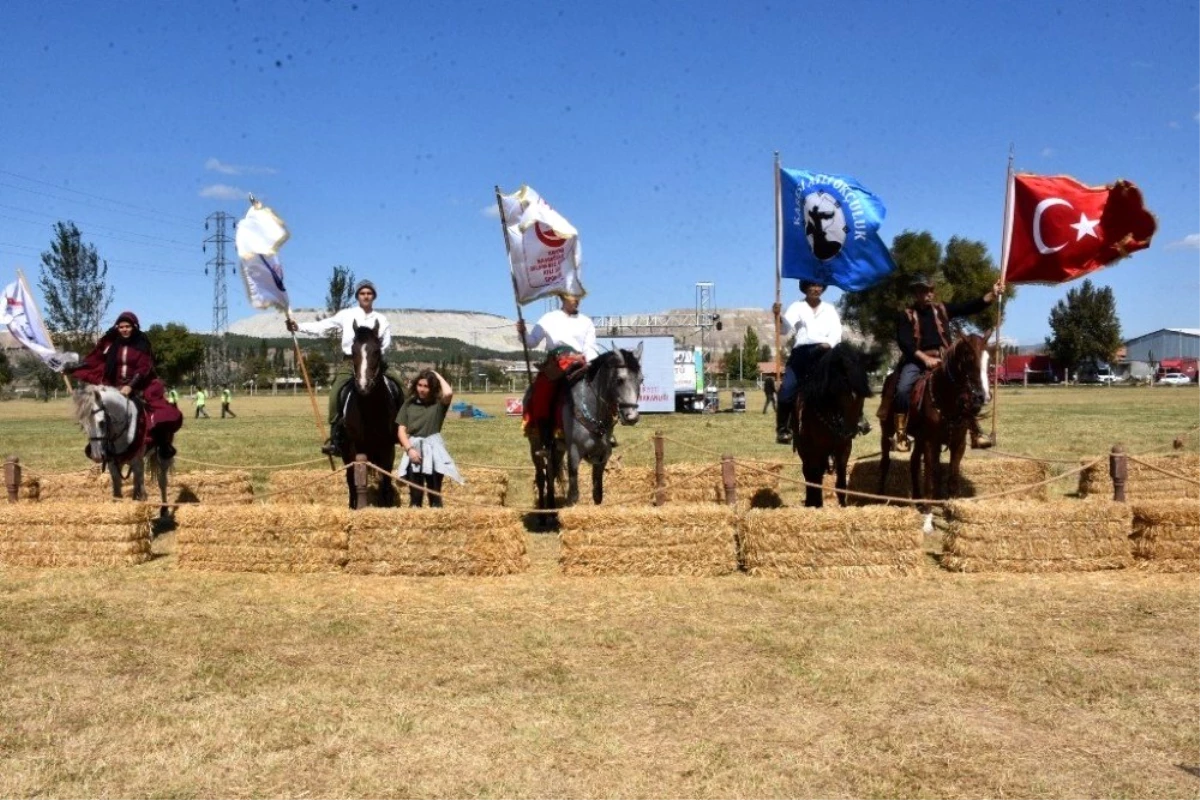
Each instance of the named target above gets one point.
<point>260,234</point>
<point>543,248</point>
<point>21,316</point>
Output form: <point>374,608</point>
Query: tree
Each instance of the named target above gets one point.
<point>1084,327</point>
<point>749,355</point>
<point>32,369</point>
<point>75,290</point>
<point>318,366</point>
<point>177,351</point>
<point>6,370</point>
<point>341,290</point>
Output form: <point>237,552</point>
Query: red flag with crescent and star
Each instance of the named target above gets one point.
<point>1061,229</point>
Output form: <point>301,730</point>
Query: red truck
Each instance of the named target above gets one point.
<point>1039,368</point>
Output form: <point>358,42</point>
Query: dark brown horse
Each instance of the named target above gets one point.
<point>940,417</point>
<point>369,412</point>
<point>832,415</point>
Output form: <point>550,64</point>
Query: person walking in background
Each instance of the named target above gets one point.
<point>226,398</point>
<point>200,399</point>
<point>769,392</point>
<point>419,431</point>
<point>173,397</point>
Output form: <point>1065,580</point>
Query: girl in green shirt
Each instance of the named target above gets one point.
<point>419,430</point>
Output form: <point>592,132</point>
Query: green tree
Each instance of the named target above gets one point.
<point>1084,327</point>
<point>963,270</point>
<point>6,370</point>
<point>318,366</point>
<point>75,290</point>
<point>340,295</point>
<point>177,351</point>
<point>32,369</point>
<point>749,355</point>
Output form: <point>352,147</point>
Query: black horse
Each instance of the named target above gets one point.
<point>830,419</point>
<point>369,413</point>
<point>607,390</point>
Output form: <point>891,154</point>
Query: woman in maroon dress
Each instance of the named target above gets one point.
<point>123,358</point>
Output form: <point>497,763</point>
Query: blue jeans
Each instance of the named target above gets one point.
<point>799,364</point>
<point>904,386</point>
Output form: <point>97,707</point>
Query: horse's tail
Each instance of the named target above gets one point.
<point>157,467</point>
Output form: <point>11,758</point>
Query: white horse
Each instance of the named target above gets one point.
<point>111,421</point>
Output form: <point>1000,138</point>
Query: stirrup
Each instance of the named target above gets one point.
<point>980,441</point>
<point>783,437</point>
<point>330,449</point>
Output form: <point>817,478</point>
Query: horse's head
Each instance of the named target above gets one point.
<point>367,355</point>
<point>617,376</point>
<point>837,388</point>
<point>109,419</point>
<point>967,366</point>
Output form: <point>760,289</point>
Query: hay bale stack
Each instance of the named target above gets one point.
<point>1145,483</point>
<point>229,487</point>
<point>694,483</point>
<point>315,487</point>
<point>238,538</point>
<point>80,535</point>
<point>1063,536</point>
<point>87,487</point>
<point>980,476</point>
<point>437,541</point>
<point>690,539</point>
<point>29,489</point>
<point>832,542</point>
<point>483,487</point>
<point>625,486</point>
<point>1166,536</point>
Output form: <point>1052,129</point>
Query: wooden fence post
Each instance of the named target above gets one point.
<point>360,481</point>
<point>12,478</point>
<point>728,480</point>
<point>1118,470</point>
<point>660,471</point>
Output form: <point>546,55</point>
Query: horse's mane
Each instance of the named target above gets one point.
<point>82,405</point>
<point>610,361</point>
<point>838,371</point>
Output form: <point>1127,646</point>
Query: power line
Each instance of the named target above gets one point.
<point>156,212</point>
<point>91,225</point>
<point>151,216</point>
<point>183,249</point>
<point>137,266</point>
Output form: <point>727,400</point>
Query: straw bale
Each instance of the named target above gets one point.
<point>80,535</point>
<point>305,487</point>
<point>483,487</point>
<point>29,488</point>
<point>1151,518</point>
<point>190,561</point>
<point>1041,518</point>
<point>1167,565</point>
<point>853,572</point>
<point>1167,532</point>
<point>207,486</point>
<point>437,541</point>
<point>1029,565</point>
<point>16,547</point>
<point>687,539</point>
<point>88,487</point>
<point>1036,547</point>
<point>81,560</point>
<point>799,542</point>
<point>236,538</point>
<point>1144,483</point>
<point>694,483</point>
<point>980,476</point>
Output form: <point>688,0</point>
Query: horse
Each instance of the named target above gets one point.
<point>831,416</point>
<point>115,426</point>
<point>369,413</point>
<point>940,417</point>
<point>606,389</point>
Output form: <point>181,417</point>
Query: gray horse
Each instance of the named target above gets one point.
<point>115,439</point>
<point>607,390</point>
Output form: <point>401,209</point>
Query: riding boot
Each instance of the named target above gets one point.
<point>783,432</point>
<point>162,442</point>
<point>337,438</point>
<point>979,440</point>
<point>902,432</point>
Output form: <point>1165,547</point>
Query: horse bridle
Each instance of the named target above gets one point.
<point>107,440</point>
<point>603,425</point>
<point>965,406</point>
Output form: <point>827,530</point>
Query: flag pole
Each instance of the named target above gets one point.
<point>1006,236</point>
<point>778,269</point>
<point>516,292</point>
<point>312,397</point>
<point>45,331</point>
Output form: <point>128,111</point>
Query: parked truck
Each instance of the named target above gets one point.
<point>689,380</point>
<point>1028,369</point>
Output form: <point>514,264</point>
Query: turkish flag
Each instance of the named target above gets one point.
<point>1061,229</point>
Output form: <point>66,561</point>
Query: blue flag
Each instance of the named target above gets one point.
<point>830,229</point>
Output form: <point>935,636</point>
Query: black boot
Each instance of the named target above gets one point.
<point>337,438</point>
<point>979,440</point>
<point>162,443</point>
<point>783,431</point>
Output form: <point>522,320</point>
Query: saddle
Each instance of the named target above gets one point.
<point>916,398</point>
<point>393,388</point>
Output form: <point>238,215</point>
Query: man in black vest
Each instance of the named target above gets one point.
<point>923,334</point>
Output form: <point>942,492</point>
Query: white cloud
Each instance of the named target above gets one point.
<point>490,210</point>
<point>222,191</point>
<point>217,165</point>
<point>1190,242</point>
<point>1173,125</point>
<point>1047,152</point>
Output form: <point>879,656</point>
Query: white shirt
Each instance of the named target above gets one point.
<point>820,325</point>
<point>559,328</point>
<point>344,320</point>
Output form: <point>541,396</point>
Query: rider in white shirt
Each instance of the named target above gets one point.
<point>570,339</point>
<point>364,314</point>
<point>818,328</point>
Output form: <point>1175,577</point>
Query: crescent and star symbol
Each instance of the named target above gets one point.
<point>1085,226</point>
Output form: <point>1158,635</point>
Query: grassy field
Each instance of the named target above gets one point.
<point>154,682</point>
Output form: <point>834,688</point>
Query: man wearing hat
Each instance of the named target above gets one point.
<point>817,327</point>
<point>923,334</point>
<point>364,315</point>
<point>570,339</point>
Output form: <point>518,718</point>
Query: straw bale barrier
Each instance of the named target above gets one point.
<point>103,534</point>
<point>237,538</point>
<point>1144,483</point>
<point>29,488</point>
<point>1063,536</point>
<point>687,539</point>
<point>77,487</point>
<point>1166,536</point>
<point>980,476</point>
<point>208,486</point>
<point>625,486</point>
<point>483,487</point>
<point>437,541</point>
<point>305,487</point>
<point>832,542</point>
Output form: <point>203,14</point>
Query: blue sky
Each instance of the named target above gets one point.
<point>377,130</point>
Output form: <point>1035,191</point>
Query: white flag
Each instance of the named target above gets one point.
<point>20,314</point>
<point>543,248</point>
<point>260,234</point>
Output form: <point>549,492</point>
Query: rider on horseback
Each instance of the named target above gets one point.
<point>923,336</point>
<point>124,358</point>
<point>818,328</point>
<point>365,315</point>
<point>570,343</point>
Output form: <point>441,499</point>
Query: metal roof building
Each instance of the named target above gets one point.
<point>1164,343</point>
